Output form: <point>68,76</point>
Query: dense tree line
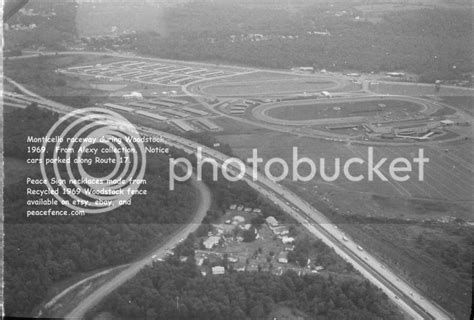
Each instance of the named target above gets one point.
<point>55,25</point>
<point>434,43</point>
<point>178,291</point>
<point>40,251</point>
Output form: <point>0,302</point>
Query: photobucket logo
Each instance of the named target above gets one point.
<point>354,169</point>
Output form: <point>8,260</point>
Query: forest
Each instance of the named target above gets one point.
<point>433,43</point>
<point>173,290</point>
<point>41,251</point>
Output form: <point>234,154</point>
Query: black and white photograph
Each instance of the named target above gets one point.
<point>237,160</point>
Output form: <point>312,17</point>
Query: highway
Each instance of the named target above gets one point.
<point>403,294</point>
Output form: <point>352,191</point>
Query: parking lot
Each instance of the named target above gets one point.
<point>147,72</point>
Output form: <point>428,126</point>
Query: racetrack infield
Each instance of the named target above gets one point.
<point>269,87</point>
<point>341,109</point>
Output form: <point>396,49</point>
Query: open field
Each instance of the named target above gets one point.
<point>465,103</point>
<point>446,177</point>
<point>418,90</point>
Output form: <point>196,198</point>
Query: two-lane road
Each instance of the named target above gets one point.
<point>204,204</point>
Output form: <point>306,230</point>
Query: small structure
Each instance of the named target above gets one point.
<point>199,261</point>
<point>238,219</point>
<point>218,270</point>
<point>281,230</point>
<point>283,257</point>
<point>326,94</point>
<point>271,221</point>
<point>287,240</point>
<point>447,122</point>
<point>211,242</point>
<point>233,207</point>
<point>133,95</point>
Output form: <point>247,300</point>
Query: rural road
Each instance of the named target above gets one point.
<point>93,299</point>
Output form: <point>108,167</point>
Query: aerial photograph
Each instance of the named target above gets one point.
<point>252,159</point>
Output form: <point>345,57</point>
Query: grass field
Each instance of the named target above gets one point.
<point>418,90</point>
<point>447,177</point>
<point>465,103</point>
<point>339,110</point>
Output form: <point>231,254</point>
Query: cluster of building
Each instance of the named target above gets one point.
<point>164,109</point>
<point>147,72</point>
<point>240,106</point>
<point>280,231</point>
<point>223,250</point>
<point>256,37</point>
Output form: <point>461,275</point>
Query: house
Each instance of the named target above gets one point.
<point>246,226</point>
<point>199,261</point>
<point>271,221</point>
<point>233,207</point>
<point>247,209</point>
<point>238,219</point>
<point>239,267</point>
<point>257,210</point>
<point>287,240</point>
<point>218,270</point>
<point>283,257</point>
<point>281,230</point>
<point>240,208</point>
<point>211,242</point>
